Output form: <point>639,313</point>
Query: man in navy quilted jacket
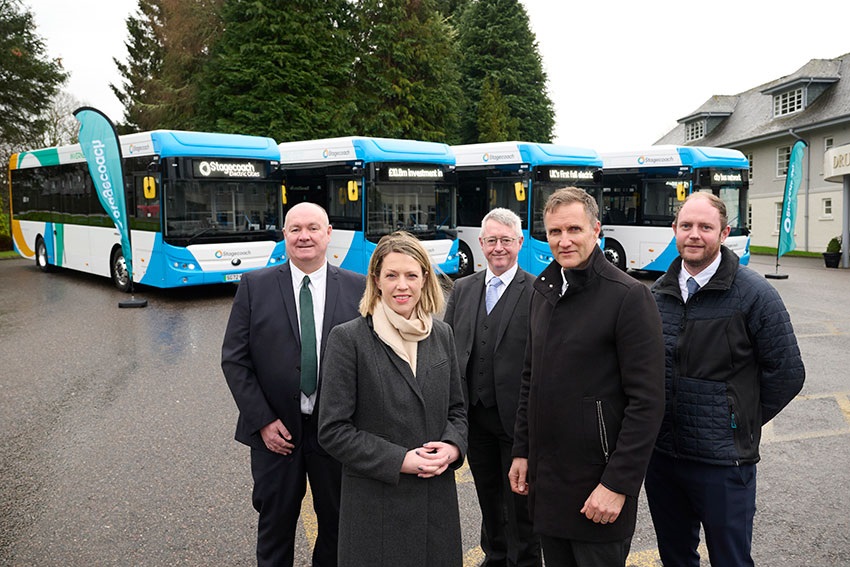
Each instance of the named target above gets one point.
<point>732,364</point>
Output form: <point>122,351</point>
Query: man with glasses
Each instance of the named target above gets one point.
<point>488,312</point>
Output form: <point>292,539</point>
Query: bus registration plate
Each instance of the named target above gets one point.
<point>232,277</point>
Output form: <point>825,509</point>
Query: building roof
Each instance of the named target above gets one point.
<point>748,116</point>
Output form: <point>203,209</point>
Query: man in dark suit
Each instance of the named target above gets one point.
<point>488,312</point>
<point>277,331</point>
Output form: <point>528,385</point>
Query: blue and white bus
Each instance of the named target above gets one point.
<point>374,186</point>
<point>518,176</point>
<point>203,208</point>
<point>643,189</point>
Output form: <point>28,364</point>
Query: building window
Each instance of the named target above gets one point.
<point>826,209</point>
<point>750,216</point>
<point>783,156</point>
<point>750,162</point>
<point>827,144</point>
<point>695,130</point>
<point>788,102</point>
<point>777,220</point>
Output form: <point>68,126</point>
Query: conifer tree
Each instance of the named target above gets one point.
<point>496,41</point>
<point>280,69</point>
<point>169,43</point>
<point>494,120</point>
<point>143,66</point>
<point>406,76</point>
<point>28,79</point>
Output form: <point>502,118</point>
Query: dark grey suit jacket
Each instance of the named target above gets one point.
<point>509,350</point>
<point>261,352</point>
<point>374,410</point>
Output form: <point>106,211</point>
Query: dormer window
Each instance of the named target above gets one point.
<point>695,130</point>
<point>788,102</point>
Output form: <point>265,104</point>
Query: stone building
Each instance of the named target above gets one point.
<point>813,104</point>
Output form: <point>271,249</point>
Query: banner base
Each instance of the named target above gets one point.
<point>133,303</point>
<point>776,276</point>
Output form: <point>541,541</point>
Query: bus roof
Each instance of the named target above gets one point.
<point>667,156</point>
<point>329,150</point>
<point>165,143</point>
<point>532,153</point>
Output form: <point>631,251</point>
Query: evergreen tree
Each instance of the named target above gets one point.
<point>406,77</point>
<point>28,80</point>
<point>144,64</point>
<point>451,8</point>
<point>496,41</point>
<point>169,43</point>
<point>280,69</point>
<point>494,117</point>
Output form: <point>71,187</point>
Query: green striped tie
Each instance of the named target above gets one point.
<point>309,362</point>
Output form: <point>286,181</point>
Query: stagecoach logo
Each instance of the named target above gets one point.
<point>328,153</point>
<point>655,160</point>
<point>505,156</point>
<point>224,169</point>
<point>231,253</point>
<point>139,148</point>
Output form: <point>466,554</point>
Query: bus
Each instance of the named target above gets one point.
<point>374,186</point>
<point>518,176</point>
<point>203,208</point>
<point>643,189</point>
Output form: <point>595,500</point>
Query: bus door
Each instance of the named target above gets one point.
<point>661,199</point>
<point>345,212</point>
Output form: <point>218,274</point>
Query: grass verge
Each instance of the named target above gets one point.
<point>768,251</point>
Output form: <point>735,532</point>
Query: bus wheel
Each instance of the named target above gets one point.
<point>464,260</point>
<point>41,260</point>
<point>614,253</point>
<point>118,270</point>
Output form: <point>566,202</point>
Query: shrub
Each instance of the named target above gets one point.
<point>834,245</point>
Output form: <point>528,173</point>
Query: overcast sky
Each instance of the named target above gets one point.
<point>620,72</point>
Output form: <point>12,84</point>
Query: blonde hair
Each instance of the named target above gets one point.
<point>431,301</point>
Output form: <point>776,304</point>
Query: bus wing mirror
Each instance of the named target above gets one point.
<point>150,187</point>
<point>353,192</point>
<point>283,193</point>
<point>681,193</point>
<point>519,190</point>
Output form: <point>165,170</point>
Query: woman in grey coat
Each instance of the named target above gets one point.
<point>392,413</point>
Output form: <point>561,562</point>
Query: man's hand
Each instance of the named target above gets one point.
<point>603,506</point>
<point>277,438</point>
<point>518,475</point>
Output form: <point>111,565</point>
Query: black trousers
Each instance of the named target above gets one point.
<point>506,530</point>
<point>684,494</point>
<point>280,483</point>
<point>571,553</point>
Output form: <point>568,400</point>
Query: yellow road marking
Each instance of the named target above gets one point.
<point>642,558</point>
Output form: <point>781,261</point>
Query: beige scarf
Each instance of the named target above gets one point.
<point>400,334</point>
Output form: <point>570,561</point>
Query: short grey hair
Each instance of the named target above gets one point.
<point>505,217</point>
